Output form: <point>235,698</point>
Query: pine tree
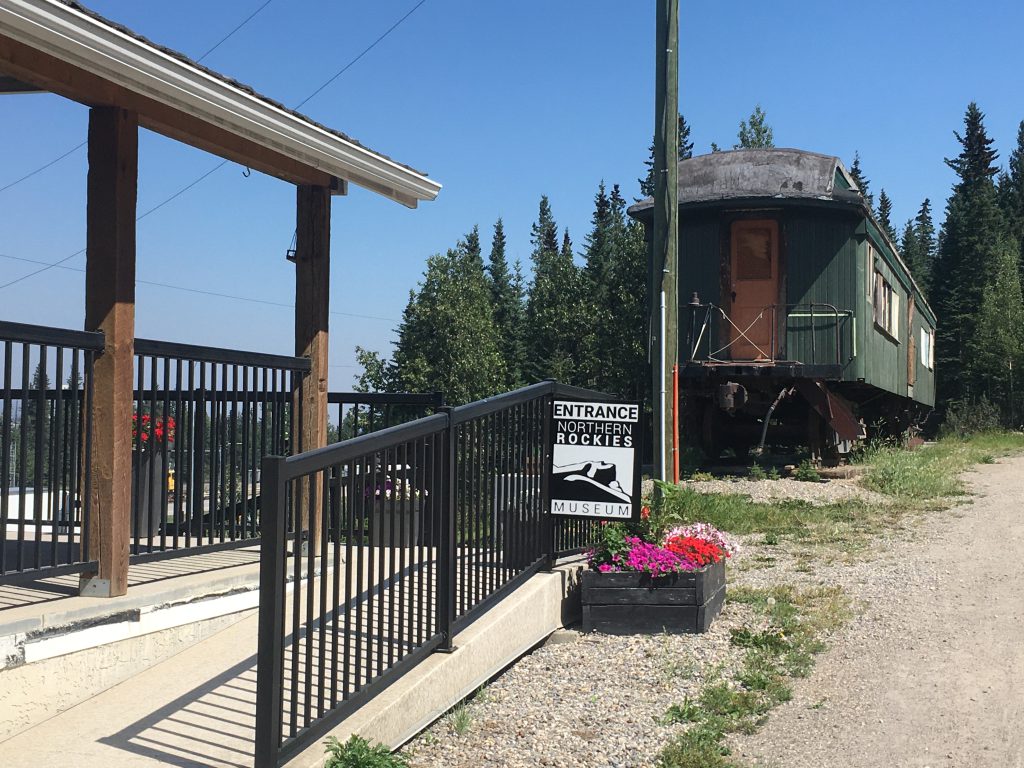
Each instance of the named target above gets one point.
<point>755,134</point>
<point>857,174</point>
<point>37,417</point>
<point>884,215</point>
<point>507,303</point>
<point>1011,193</point>
<point>908,250</point>
<point>448,341</point>
<point>554,306</point>
<point>995,349</point>
<point>685,153</point>
<point>970,256</point>
<point>924,250</point>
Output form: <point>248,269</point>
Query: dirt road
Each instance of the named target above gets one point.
<point>938,680</point>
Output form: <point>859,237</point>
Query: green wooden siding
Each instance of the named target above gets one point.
<point>819,258</point>
<point>824,260</point>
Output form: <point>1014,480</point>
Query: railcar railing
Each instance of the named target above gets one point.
<point>424,526</point>
<point>45,438</point>
<point>811,333</point>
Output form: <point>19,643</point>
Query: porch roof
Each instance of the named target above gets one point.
<point>63,47</point>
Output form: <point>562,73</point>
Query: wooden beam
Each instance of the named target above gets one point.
<point>49,73</point>
<point>110,308</point>
<point>312,308</point>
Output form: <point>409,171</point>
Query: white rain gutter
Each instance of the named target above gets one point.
<point>85,42</point>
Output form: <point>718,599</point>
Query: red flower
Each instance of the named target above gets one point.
<point>645,513</point>
<point>697,550</point>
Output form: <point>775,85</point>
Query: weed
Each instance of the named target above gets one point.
<point>357,752</point>
<point>687,712</point>
<point>817,705</point>
<point>773,474</point>
<point>674,665</point>
<point>757,472</point>
<point>701,477</point>
<point>772,640</point>
<point>807,472</point>
<point>460,719</point>
<point>698,747</point>
<point>771,539</point>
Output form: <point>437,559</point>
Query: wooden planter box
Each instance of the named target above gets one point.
<point>635,603</point>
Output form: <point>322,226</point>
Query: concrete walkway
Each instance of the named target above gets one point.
<point>197,709</point>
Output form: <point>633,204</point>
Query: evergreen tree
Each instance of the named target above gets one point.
<point>884,215</point>
<point>448,341</point>
<point>995,348</point>
<point>861,180</point>
<point>624,350</point>
<point>924,249</point>
<point>685,153</point>
<point>908,249</point>
<point>554,306</point>
<point>1011,193</point>
<point>37,417</point>
<point>970,256</point>
<point>755,134</point>
<point>507,302</point>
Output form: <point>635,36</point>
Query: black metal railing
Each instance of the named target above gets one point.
<point>45,438</point>
<point>204,419</point>
<point>359,413</point>
<point>414,531</point>
<point>811,333</point>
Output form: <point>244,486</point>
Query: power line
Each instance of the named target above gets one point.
<point>220,165</point>
<point>366,50</point>
<point>42,168</point>
<point>49,265</point>
<point>77,147</point>
<point>226,37</point>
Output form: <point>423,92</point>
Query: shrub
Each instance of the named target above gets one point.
<point>357,752</point>
<point>806,472</point>
<point>970,417</point>
<point>757,472</point>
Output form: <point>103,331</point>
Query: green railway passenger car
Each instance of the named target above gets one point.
<point>799,323</point>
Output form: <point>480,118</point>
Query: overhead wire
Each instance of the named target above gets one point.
<point>203,291</point>
<point>221,164</point>
<point>77,147</point>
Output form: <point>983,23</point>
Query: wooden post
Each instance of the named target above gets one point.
<point>665,300</point>
<point>312,306</point>
<point>110,308</point>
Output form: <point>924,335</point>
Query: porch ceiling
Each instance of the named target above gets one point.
<point>63,47</point>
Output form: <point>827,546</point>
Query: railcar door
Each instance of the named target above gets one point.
<point>755,288</point>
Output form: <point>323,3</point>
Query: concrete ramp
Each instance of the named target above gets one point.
<point>198,708</point>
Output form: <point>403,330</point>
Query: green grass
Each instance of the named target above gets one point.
<point>460,719</point>
<point>781,646</point>
<point>932,472</point>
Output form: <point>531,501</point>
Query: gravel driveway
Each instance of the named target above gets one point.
<point>930,673</point>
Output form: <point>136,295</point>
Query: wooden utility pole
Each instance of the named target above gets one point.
<point>664,301</point>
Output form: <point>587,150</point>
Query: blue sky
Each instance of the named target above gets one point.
<point>500,103</point>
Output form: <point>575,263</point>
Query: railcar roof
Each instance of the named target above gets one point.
<point>752,173</point>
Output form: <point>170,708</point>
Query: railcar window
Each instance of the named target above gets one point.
<point>754,253</point>
<point>886,302</point>
<point>928,348</point>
